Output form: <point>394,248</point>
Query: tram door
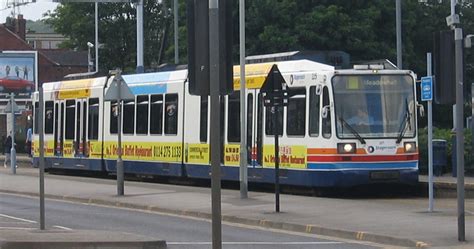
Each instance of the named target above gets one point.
<point>80,138</point>
<point>254,128</point>
<point>58,128</point>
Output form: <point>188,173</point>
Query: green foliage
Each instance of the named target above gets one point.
<point>117,31</point>
<point>364,29</point>
<point>447,135</point>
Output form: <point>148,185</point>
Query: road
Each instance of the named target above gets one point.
<point>179,232</point>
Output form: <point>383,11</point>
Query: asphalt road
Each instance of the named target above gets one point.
<point>179,232</point>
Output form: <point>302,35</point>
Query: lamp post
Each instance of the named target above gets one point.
<point>89,59</point>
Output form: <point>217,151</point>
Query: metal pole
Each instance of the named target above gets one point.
<point>41,156</point>
<point>215,124</point>
<point>430,140</point>
<point>399,33</point>
<point>243,124</point>
<point>458,39</point>
<point>120,170</point>
<point>277,160</point>
<point>13,150</point>
<point>459,126</point>
<point>97,36</point>
<point>88,58</point>
<point>140,68</point>
<point>176,45</point>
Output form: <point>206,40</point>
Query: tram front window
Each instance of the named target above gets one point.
<point>374,106</point>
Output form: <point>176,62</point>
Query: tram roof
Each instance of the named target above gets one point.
<point>178,76</point>
<point>69,89</point>
<point>255,74</point>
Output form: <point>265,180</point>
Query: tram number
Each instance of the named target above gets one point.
<point>167,151</point>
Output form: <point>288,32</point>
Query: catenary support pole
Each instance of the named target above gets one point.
<point>176,44</point>
<point>96,36</point>
<point>41,156</point>
<point>398,6</point>
<point>140,68</point>
<point>243,123</point>
<point>430,140</point>
<point>215,124</point>
<point>459,124</point>
<point>458,39</point>
<point>13,149</point>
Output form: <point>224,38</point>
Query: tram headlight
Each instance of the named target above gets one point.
<point>409,147</point>
<point>346,148</point>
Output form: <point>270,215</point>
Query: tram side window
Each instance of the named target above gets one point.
<point>233,118</point>
<point>128,117</point>
<point>156,115</point>
<point>203,121</point>
<point>142,115</point>
<point>36,117</point>
<point>171,114</point>
<point>326,127</point>
<point>296,114</point>
<point>269,120</point>
<point>93,119</point>
<point>314,114</point>
<point>113,117</point>
<point>70,119</point>
<point>48,117</point>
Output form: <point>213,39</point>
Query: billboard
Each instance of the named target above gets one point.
<point>18,72</point>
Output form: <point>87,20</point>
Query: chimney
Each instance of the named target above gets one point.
<point>20,27</point>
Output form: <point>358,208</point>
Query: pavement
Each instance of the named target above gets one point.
<point>77,239</point>
<point>392,221</point>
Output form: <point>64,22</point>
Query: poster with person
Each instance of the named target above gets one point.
<point>18,70</point>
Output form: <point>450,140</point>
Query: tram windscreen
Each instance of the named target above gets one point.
<point>374,106</point>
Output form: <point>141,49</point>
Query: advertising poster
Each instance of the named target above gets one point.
<point>18,73</point>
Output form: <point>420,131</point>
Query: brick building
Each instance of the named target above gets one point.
<point>53,65</point>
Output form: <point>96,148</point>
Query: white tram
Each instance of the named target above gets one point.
<point>341,127</point>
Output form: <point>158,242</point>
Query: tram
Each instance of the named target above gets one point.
<point>341,128</point>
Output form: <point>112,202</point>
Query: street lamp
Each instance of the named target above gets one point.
<point>89,62</point>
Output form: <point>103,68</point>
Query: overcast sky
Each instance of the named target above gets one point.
<point>32,11</point>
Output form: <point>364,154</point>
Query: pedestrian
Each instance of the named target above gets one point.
<point>29,139</point>
<point>7,146</point>
<point>17,71</point>
<point>7,70</point>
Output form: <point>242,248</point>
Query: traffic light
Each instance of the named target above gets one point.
<point>198,47</point>
<point>444,67</point>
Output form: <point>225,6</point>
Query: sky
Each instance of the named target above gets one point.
<point>32,11</point>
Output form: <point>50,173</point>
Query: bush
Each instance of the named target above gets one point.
<point>446,135</point>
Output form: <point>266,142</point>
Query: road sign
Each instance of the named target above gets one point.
<point>274,89</point>
<point>427,88</point>
<point>112,93</point>
<point>8,108</point>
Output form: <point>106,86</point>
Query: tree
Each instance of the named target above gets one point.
<point>117,31</point>
<point>364,29</point>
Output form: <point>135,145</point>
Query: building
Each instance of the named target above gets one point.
<point>53,65</point>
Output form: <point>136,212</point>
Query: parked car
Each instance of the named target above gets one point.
<point>15,84</point>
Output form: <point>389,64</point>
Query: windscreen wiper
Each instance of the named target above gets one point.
<point>406,120</point>
<point>353,131</point>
